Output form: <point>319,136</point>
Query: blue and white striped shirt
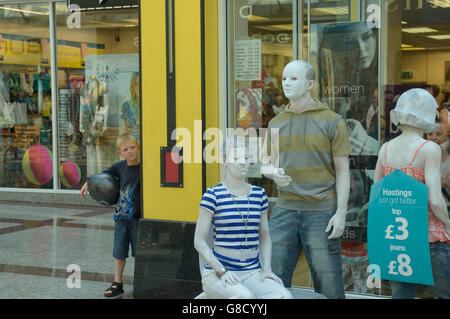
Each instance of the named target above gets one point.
<point>229,216</point>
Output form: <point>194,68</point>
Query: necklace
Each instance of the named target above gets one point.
<point>245,221</point>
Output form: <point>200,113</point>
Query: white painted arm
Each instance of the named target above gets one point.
<point>337,222</point>
<point>200,239</point>
<point>200,243</point>
<point>433,181</point>
<point>265,250</point>
<point>270,164</point>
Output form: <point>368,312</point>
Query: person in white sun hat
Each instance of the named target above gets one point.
<point>421,159</point>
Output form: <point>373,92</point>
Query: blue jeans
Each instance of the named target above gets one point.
<point>125,233</point>
<point>294,231</point>
<point>440,265</point>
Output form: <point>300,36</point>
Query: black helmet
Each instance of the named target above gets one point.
<point>104,188</point>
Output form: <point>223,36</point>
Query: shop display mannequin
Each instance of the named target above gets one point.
<point>100,148</point>
<point>415,114</point>
<point>131,108</point>
<point>312,140</point>
<point>248,274</point>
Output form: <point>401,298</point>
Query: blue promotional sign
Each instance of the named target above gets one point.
<point>397,235</point>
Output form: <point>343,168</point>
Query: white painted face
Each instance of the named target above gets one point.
<point>237,162</point>
<point>295,84</point>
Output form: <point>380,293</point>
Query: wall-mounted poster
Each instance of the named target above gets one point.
<point>346,57</point>
<point>248,60</point>
<point>249,108</point>
<point>120,73</point>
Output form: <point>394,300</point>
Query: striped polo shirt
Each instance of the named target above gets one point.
<point>229,215</point>
<point>308,141</point>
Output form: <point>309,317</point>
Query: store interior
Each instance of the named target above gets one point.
<point>26,87</point>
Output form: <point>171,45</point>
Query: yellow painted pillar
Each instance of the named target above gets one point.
<point>166,203</point>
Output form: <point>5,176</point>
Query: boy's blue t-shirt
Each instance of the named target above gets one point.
<point>129,203</point>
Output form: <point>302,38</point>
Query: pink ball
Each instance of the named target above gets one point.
<point>37,165</point>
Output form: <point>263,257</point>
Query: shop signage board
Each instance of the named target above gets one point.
<point>26,51</point>
<point>103,4</point>
<point>248,60</point>
<point>398,229</point>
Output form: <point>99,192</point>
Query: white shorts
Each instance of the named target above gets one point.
<point>250,286</point>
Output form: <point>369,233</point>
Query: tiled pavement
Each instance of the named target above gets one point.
<point>39,242</point>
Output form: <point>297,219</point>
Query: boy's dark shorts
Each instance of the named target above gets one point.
<point>125,232</point>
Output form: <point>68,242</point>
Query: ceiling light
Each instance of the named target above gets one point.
<point>329,11</point>
<point>257,18</point>
<point>440,37</point>
<point>419,30</point>
<point>413,49</point>
<point>283,26</point>
<point>439,3</point>
<point>25,11</point>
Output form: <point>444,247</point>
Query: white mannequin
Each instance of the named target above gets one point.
<point>298,90</point>
<point>414,114</point>
<point>429,159</point>
<point>234,284</point>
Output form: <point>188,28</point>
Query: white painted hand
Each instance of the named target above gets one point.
<point>280,178</point>
<point>337,223</point>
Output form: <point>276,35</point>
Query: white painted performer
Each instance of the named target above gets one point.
<point>310,166</point>
<point>238,266</point>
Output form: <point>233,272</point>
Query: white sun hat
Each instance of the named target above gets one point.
<point>417,108</point>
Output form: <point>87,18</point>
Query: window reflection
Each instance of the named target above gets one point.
<point>98,91</point>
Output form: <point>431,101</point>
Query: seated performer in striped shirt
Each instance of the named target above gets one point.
<point>238,266</point>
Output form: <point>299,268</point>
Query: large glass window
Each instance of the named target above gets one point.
<point>416,53</point>
<point>364,62</point>
<point>345,53</point>
<point>264,37</point>
<point>97,92</point>
<point>98,83</point>
<point>261,44</point>
<point>25,99</point>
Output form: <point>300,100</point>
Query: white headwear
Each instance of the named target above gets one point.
<point>417,108</point>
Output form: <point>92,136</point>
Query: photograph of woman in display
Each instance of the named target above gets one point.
<point>346,57</point>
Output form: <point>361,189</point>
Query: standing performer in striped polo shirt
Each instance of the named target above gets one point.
<point>313,182</point>
<point>238,266</point>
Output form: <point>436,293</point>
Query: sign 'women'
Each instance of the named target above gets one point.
<point>398,229</point>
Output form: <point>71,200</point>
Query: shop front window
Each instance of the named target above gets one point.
<point>25,97</point>
<point>98,83</point>
<point>97,93</point>
<point>363,65</point>
<point>345,54</point>
<point>416,54</point>
<point>261,44</point>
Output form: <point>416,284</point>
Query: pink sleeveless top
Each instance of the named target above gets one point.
<point>436,230</point>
